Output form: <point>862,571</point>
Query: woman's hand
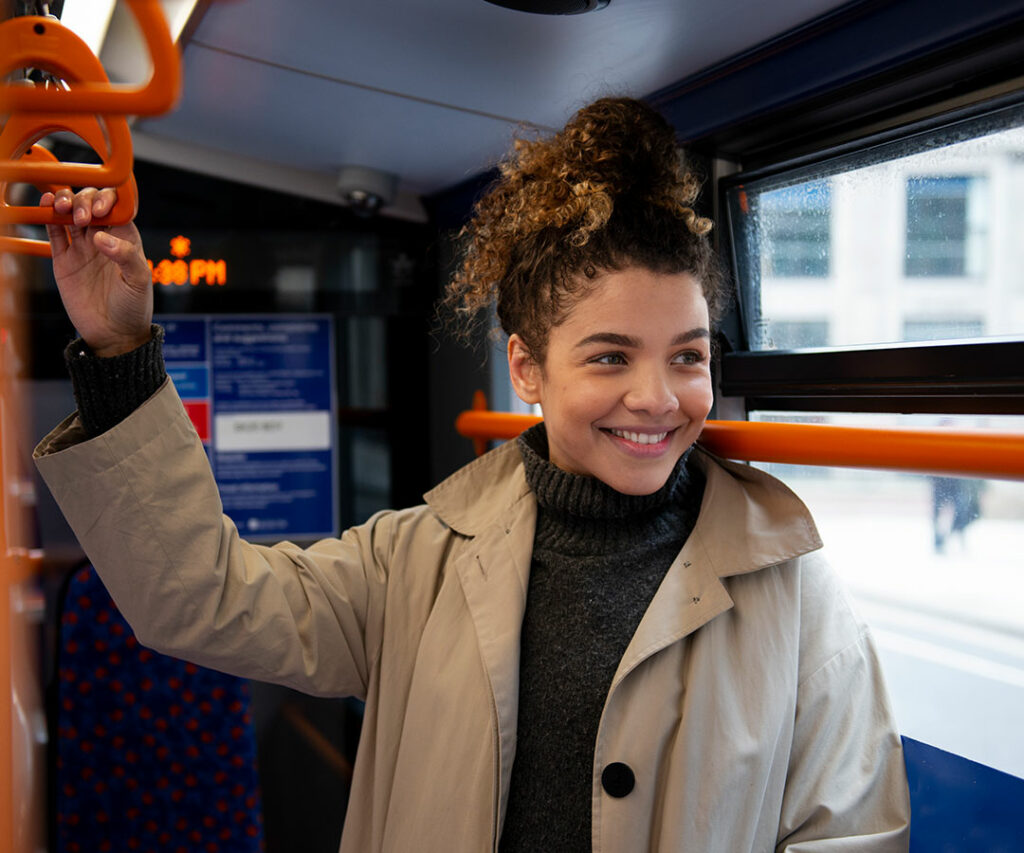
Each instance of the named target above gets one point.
<point>102,274</point>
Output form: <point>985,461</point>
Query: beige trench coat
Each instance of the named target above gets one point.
<point>749,703</point>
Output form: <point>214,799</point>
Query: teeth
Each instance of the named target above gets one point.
<point>640,437</point>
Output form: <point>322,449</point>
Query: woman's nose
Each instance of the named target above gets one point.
<point>651,392</point>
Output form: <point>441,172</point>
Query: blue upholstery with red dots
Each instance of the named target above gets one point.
<point>152,753</point>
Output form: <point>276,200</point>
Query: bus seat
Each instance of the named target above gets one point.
<point>960,806</point>
<point>151,752</point>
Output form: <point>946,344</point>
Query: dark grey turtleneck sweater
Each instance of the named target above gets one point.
<point>598,558</point>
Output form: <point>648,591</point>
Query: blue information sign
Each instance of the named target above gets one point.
<point>260,391</point>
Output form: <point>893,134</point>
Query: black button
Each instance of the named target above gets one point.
<point>617,779</point>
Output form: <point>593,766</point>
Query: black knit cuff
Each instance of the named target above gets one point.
<point>107,390</point>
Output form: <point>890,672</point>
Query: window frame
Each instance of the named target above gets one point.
<point>967,376</point>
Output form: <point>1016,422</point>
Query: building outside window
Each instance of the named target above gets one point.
<point>945,225</point>
<point>797,230</point>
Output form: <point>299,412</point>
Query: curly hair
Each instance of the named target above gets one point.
<point>609,191</point>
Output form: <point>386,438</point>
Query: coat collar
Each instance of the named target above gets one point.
<point>748,519</point>
<point>480,493</point>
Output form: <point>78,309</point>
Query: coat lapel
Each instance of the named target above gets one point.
<point>690,595</point>
<point>494,572</point>
<point>489,502</point>
<point>747,521</point>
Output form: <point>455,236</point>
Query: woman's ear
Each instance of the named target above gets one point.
<point>524,371</point>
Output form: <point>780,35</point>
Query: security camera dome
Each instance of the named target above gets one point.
<point>366,190</point>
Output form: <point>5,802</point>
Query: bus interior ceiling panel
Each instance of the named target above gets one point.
<point>429,92</point>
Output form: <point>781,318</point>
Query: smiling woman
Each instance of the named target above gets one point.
<point>599,636</point>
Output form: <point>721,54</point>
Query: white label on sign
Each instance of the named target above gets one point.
<point>272,431</point>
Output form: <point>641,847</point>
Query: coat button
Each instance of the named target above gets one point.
<point>617,779</point>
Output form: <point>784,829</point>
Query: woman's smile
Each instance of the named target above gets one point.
<point>640,437</point>
<point>642,443</point>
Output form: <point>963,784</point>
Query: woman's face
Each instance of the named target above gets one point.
<point>625,385</point>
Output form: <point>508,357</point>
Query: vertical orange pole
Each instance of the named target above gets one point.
<point>22,758</point>
<point>6,692</point>
<point>22,764</point>
<point>6,574</point>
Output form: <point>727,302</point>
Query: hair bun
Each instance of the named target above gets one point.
<point>614,151</point>
<point>608,190</point>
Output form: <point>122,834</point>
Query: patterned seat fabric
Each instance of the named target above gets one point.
<point>152,753</point>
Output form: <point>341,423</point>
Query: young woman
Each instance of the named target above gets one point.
<point>599,637</point>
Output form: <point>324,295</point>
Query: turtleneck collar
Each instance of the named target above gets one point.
<point>583,515</point>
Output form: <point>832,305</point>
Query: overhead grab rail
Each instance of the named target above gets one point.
<point>75,65</point>
<point>78,99</point>
<point>967,453</point>
<point>124,208</point>
<point>34,41</point>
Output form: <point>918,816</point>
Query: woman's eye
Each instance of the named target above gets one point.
<point>689,357</point>
<point>609,358</point>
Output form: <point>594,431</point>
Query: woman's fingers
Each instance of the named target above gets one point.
<point>104,201</point>
<point>57,234</point>
<point>83,207</point>
<point>62,200</point>
<point>81,211</point>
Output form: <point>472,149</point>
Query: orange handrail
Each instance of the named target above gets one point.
<point>24,245</point>
<point>109,136</point>
<point>64,54</point>
<point>40,43</point>
<point>22,797</point>
<point>969,453</point>
<point>110,139</point>
<point>123,211</point>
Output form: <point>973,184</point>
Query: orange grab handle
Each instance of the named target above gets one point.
<point>17,164</point>
<point>22,130</point>
<point>25,246</point>
<point>974,453</point>
<point>38,42</point>
<point>123,211</point>
<point>109,136</point>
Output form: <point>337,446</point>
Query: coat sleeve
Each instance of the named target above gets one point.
<point>144,505</point>
<point>846,788</point>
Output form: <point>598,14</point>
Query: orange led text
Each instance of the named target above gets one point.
<point>193,272</point>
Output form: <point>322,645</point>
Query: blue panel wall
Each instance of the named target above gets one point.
<point>960,806</point>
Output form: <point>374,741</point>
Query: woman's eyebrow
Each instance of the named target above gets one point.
<point>620,340</point>
<point>692,335</point>
<point>613,338</point>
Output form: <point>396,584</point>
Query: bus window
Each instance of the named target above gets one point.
<point>910,241</point>
<point>884,287</point>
